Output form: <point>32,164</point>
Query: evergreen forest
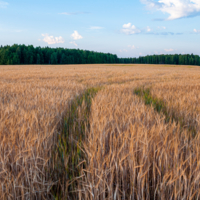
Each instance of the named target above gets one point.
<point>22,54</point>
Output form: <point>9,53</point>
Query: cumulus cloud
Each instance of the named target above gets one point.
<point>74,43</point>
<point>52,40</point>
<point>175,8</point>
<point>148,29</point>
<point>76,35</point>
<point>130,29</point>
<point>127,25</point>
<point>196,31</point>
<point>96,27</point>
<point>3,4</point>
<point>168,50</point>
<point>132,46</point>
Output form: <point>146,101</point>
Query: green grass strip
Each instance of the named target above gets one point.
<point>68,154</point>
<point>161,107</point>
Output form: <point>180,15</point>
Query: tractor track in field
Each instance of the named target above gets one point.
<point>161,107</point>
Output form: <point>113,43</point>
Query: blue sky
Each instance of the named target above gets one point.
<point>128,28</point>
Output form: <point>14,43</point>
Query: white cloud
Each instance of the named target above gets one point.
<point>130,29</point>
<point>127,25</point>
<point>123,50</point>
<point>3,4</point>
<point>158,53</point>
<point>132,46</point>
<point>66,13</point>
<point>74,43</point>
<point>76,35</point>
<point>52,40</point>
<point>168,50</point>
<point>175,8</point>
<point>148,29</point>
<point>161,27</point>
<point>196,31</point>
<point>96,27</point>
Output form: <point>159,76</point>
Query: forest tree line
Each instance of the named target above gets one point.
<point>175,59</point>
<point>22,54</point>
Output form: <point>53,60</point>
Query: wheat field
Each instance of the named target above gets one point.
<point>100,132</point>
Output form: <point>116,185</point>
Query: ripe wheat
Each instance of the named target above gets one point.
<point>129,149</point>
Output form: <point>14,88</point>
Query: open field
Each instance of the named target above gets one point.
<point>100,132</point>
